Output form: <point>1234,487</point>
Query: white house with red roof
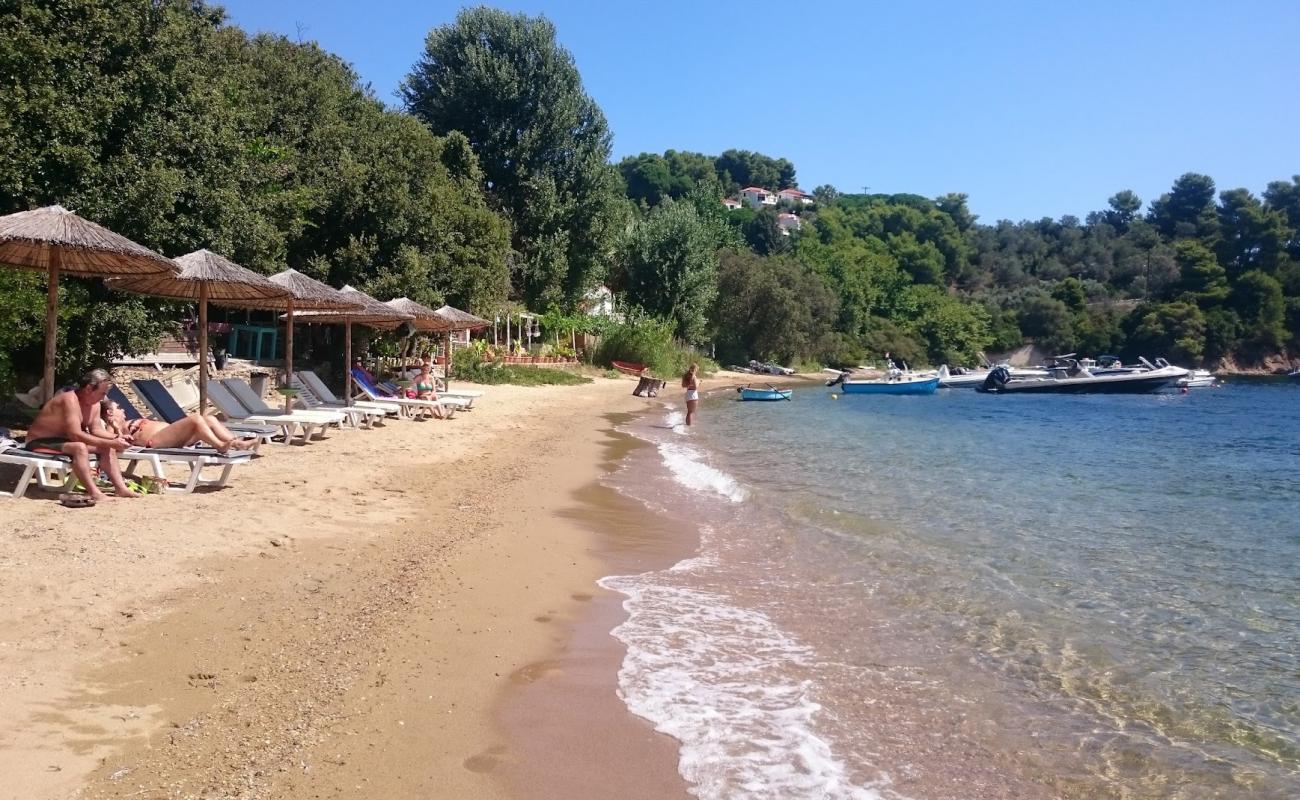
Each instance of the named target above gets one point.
<point>731,203</point>
<point>796,196</point>
<point>787,223</point>
<point>757,197</point>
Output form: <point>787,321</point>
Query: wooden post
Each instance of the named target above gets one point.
<point>347,359</point>
<point>446,368</point>
<point>288,354</point>
<point>203,347</point>
<point>51,323</point>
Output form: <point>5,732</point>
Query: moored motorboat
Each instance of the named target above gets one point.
<point>1077,380</point>
<point>895,382</point>
<point>1198,379</point>
<point>771,393</point>
<point>974,378</point>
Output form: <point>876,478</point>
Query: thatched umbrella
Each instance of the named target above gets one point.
<point>370,312</point>
<point>457,320</point>
<point>304,293</point>
<point>55,240</point>
<point>205,277</point>
<point>425,318</point>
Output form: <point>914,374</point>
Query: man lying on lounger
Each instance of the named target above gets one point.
<point>69,424</point>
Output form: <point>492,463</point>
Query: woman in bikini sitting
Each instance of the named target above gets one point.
<point>193,429</point>
<point>426,387</point>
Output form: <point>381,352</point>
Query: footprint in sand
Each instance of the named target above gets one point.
<point>485,761</point>
<point>581,597</point>
<point>542,618</point>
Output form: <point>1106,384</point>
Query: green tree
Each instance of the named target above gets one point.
<point>1187,210</point>
<point>743,168</point>
<point>671,266</point>
<point>1124,207</point>
<point>1257,299</point>
<point>771,309</point>
<point>1176,329</point>
<point>542,143</point>
<point>1202,276</point>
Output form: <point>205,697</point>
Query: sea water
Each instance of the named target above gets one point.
<point>969,596</point>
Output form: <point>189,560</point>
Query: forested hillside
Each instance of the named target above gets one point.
<point>1200,276</point>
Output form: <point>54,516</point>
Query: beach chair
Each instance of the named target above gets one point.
<point>461,402</point>
<point>118,396</point>
<point>232,408</point>
<point>372,392</point>
<point>165,407</point>
<point>312,384</point>
<point>54,472</point>
<point>252,401</point>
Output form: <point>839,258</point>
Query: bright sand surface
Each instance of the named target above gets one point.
<point>404,612</point>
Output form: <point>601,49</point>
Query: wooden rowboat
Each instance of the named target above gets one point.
<point>628,367</point>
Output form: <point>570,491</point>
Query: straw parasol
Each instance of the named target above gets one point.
<point>457,320</point>
<point>370,312</point>
<point>206,277</point>
<point>55,240</point>
<point>425,318</point>
<point>304,293</point>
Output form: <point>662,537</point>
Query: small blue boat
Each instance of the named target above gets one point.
<point>894,384</point>
<point>771,393</point>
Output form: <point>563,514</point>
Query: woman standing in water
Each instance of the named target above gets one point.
<point>691,383</point>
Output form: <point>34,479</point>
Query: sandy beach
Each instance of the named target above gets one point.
<point>409,611</point>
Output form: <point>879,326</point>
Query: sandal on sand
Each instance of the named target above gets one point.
<point>76,500</point>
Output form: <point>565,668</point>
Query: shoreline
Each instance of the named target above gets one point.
<point>260,641</point>
<point>350,615</point>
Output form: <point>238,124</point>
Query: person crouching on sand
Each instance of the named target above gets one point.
<point>193,429</point>
<point>691,383</point>
<point>70,424</point>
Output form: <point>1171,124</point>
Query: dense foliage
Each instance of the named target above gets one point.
<point>167,125</point>
<point>503,81</point>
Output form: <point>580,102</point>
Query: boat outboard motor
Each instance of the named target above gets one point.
<point>837,379</point>
<point>998,378</point>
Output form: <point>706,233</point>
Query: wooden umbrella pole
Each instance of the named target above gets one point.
<point>51,323</point>
<point>347,359</point>
<point>203,347</point>
<point>288,354</point>
<point>446,369</point>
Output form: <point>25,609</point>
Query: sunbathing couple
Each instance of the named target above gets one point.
<point>81,422</point>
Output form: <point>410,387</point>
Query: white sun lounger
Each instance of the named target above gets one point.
<point>233,409</point>
<point>366,388</point>
<point>314,391</point>
<point>252,401</point>
<point>54,472</point>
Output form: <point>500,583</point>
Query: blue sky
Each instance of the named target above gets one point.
<point>1032,108</point>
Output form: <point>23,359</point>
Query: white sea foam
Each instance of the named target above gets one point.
<point>688,468</point>
<point>717,678</point>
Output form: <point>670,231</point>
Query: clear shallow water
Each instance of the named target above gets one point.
<point>969,596</point>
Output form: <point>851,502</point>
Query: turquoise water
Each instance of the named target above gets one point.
<point>965,596</point>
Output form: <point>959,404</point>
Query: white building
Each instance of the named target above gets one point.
<point>787,223</point>
<point>731,203</point>
<point>757,197</point>
<point>796,196</point>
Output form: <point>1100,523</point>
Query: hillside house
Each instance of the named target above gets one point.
<point>797,196</point>
<point>757,197</point>
<point>787,223</point>
<point>732,203</point>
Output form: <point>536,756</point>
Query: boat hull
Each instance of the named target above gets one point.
<point>1103,385</point>
<point>927,386</point>
<point>765,395</point>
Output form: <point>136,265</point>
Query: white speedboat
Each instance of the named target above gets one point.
<point>1198,379</point>
<point>974,378</point>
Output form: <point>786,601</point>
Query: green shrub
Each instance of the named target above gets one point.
<point>470,364</point>
<point>650,342</point>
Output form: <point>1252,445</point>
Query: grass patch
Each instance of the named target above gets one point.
<point>471,366</point>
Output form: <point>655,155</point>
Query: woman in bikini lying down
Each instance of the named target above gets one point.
<point>193,429</point>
